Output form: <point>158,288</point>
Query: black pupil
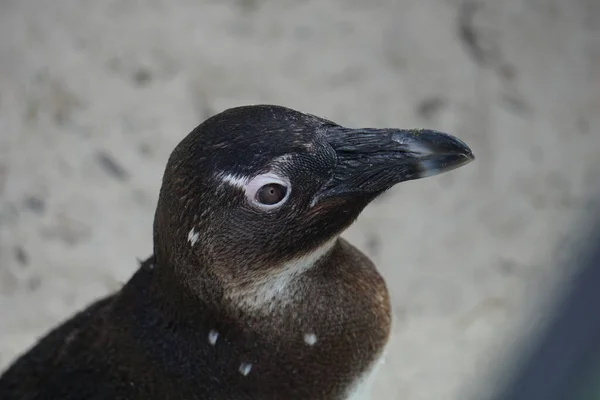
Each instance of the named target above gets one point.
<point>271,194</point>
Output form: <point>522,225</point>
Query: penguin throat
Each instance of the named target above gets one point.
<point>279,287</point>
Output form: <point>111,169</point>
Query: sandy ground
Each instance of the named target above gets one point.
<point>94,96</point>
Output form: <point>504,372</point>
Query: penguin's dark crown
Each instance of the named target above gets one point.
<point>257,194</point>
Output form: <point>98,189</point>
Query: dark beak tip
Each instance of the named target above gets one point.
<point>445,153</point>
<point>469,155</point>
<point>455,145</point>
<point>467,159</point>
<point>464,149</point>
<point>463,156</point>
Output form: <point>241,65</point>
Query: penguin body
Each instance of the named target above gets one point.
<point>250,292</point>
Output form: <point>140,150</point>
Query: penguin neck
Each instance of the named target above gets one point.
<point>336,275</point>
<point>202,298</point>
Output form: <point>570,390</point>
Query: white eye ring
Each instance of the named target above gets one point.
<point>259,182</point>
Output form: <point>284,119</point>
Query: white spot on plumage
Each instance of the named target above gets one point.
<point>310,339</point>
<point>212,337</point>
<point>245,368</point>
<point>238,181</point>
<point>193,236</point>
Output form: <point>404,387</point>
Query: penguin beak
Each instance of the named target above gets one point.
<point>370,161</point>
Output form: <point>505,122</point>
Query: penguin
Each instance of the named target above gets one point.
<point>250,292</point>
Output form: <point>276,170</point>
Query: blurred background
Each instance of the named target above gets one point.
<point>94,95</point>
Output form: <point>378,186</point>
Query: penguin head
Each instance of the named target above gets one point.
<point>258,192</point>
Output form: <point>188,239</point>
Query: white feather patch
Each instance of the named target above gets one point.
<point>238,181</point>
<point>277,288</point>
<point>193,236</point>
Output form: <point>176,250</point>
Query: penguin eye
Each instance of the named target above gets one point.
<point>271,194</point>
<point>268,191</point>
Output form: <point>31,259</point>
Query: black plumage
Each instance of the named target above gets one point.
<point>249,293</point>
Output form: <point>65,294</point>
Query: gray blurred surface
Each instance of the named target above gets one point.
<point>94,96</point>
